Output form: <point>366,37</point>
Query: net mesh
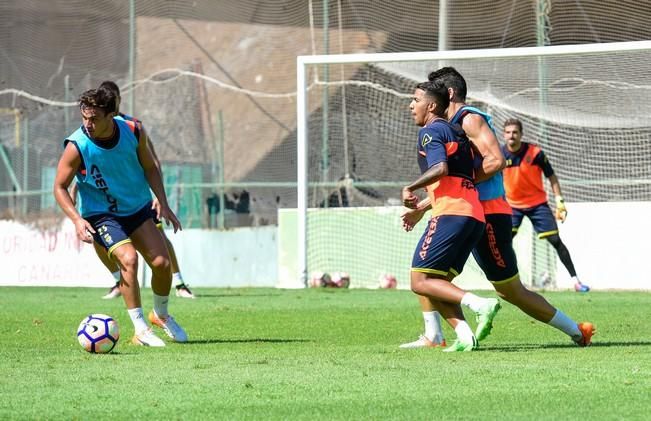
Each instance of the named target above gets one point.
<point>214,83</point>
<point>588,112</point>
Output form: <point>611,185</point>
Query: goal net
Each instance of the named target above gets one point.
<point>587,106</point>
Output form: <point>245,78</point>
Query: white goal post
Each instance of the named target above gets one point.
<point>402,63</point>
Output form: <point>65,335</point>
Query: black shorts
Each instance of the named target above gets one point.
<point>111,231</point>
<point>494,252</point>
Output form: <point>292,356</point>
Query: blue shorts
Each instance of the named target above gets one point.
<point>446,244</point>
<point>494,252</point>
<point>541,218</point>
<point>111,231</point>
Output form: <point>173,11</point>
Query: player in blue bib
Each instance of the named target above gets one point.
<point>182,290</point>
<point>115,170</point>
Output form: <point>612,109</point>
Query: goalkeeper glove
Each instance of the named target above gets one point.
<point>561,210</point>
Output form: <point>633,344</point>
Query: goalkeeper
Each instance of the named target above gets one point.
<point>525,165</point>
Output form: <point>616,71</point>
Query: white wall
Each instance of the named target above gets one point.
<point>234,258</point>
<point>55,257</point>
<point>609,245</point>
<point>241,257</point>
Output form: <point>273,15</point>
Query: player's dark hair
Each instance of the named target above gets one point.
<point>513,122</point>
<point>102,98</point>
<point>438,92</point>
<point>451,78</point>
<point>109,84</point>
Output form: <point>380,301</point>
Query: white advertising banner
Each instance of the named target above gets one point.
<point>609,245</point>
<point>30,256</point>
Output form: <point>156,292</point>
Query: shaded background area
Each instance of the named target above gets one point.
<point>215,81</point>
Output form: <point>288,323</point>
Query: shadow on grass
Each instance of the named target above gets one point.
<point>528,347</point>
<point>244,341</point>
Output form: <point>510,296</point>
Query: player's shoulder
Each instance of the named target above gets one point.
<point>127,117</point>
<point>473,120</point>
<point>436,128</point>
<point>531,147</point>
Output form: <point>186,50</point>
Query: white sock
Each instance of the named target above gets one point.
<point>566,325</point>
<point>116,275</point>
<point>472,301</point>
<point>177,279</point>
<point>160,305</point>
<point>464,333</point>
<point>576,279</point>
<point>138,319</point>
<point>433,330</point>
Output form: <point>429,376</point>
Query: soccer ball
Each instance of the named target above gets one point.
<point>98,333</point>
<point>341,279</point>
<point>388,281</point>
<point>319,280</point>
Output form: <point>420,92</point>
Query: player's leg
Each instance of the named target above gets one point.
<point>536,306</point>
<point>545,225</point>
<point>445,244</point>
<point>112,267</point>
<point>111,234</point>
<point>126,255</point>
<point>182,290</point>
<point>149,241</point>
<point>421,282</point>
<point>566,259</point>
<point>433,333</point>
<point>485,309</point>
<point>495,255</point>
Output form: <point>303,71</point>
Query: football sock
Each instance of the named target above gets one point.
<point>160,305</point>
<point>575,279</point>
<point>464,333</point>
<point>566,325</point>
<point>138,319</point>
<point>177,279</point>
<point>116,276</point>
<point>564,256</point>
<point>472,301</point>
<point>433,330</point>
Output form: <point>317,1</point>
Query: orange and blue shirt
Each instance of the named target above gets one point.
<point>455,193</point>
<point>523,179</point>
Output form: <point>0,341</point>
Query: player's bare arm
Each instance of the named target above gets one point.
<point>411,217</point>
<point>74,190</point>
<point>155,204</point>
<point>153,175</point>
<point>67,167</point>
<point>432,175</point>
<point>556,185</point>
<point>483,138</point>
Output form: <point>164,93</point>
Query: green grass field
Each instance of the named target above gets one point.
<point>319,354</point>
